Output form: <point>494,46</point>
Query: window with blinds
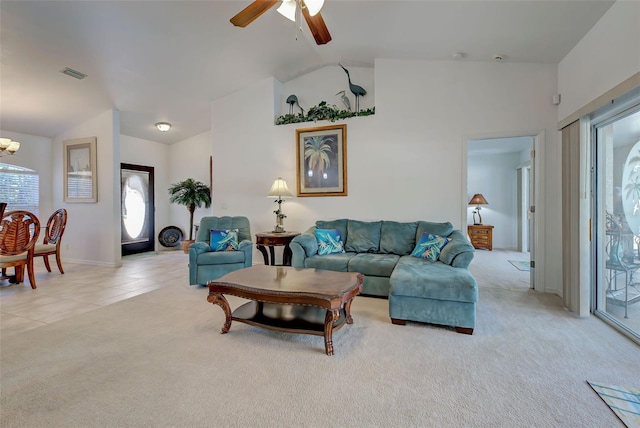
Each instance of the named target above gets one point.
<point>19,188</point>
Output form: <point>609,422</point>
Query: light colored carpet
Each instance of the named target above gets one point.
<point>521,265</point>
<point>158,360</point>
<point>623,401</point>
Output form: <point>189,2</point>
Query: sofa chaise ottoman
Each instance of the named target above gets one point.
<point>440,291</point>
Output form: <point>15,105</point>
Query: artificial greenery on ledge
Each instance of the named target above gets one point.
<point>322,111</point>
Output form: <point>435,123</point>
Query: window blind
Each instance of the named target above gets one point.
<point>19,188</point>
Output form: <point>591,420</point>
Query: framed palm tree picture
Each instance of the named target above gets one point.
<point>322,161</point>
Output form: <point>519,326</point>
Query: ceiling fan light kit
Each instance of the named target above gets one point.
<point>310,9</point>
<point>288,10</point>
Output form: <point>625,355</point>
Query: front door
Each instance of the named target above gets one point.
<point>137,209</point>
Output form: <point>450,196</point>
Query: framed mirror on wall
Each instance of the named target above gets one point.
<point>80,172</point>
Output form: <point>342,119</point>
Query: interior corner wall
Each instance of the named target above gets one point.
<point>404,163</point>
<point>92,235</point>
<point>606,56</point>
<point>35,154</point>
<point>187,159</point>
<point>150,153</point>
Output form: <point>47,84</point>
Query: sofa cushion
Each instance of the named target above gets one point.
<point>220,257</point>
<point>226,222</point>
<point>336,262</point>
<point>397,238</point>
<point>442,229</point>
<point>432,280</point>
<point>373,264</point>
<point>340,224</point>
<point>363,236</point>
<point>429,246</point>
<point>223,239</point>
<point>329,241</point>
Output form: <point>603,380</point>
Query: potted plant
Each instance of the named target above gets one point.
<point>192,194</point>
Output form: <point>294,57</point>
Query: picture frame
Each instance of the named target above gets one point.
<point>80,170</point>
<point>321,154</point>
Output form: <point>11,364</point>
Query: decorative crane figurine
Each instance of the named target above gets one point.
<point>345,99</point>
<point>355,89</point>
<point>291,100</point>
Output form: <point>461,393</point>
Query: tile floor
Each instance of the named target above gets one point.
<point>84,288</point>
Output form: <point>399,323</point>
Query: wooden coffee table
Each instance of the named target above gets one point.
<point>294,300</point>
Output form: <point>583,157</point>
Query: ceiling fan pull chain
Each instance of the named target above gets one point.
<point>298,18</point>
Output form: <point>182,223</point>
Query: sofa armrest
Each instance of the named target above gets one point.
<point>458,252</point>
<point>199,248</point>
<point>247,247</point>
<point>303,246</point>
<point>194,250</point>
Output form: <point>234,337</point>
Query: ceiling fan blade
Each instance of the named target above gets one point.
<point>317,27</point>
<point>250,13</point>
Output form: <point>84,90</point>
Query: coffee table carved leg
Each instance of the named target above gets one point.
<point>347,311</point>
<point>331,317</point>
<point>220,300</point>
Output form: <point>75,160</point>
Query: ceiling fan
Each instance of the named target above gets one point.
<point>310,10</point>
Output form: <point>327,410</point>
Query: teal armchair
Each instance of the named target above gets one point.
<point>205,264</point>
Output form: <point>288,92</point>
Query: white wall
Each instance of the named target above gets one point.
<point>93,229</point>
<point>149,153</point>
<point>188,159</point>
<point>35,154</point>
<point>495,177</point>
<point>606,56</point>
<point>406,162</point>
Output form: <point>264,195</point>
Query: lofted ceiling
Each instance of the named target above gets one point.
<point>168,60</point>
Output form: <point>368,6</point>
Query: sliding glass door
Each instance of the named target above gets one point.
<point>616,250</point>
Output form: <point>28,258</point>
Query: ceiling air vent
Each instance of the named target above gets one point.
<point>73,73</point>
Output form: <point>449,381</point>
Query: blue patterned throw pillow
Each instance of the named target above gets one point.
<point>329,241</point>
<point>224,239</point>
<point>429,246</point>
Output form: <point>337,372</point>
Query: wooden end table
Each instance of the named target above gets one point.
<point>481,236</point>
<point>275,239</point>
<point>293,300</point>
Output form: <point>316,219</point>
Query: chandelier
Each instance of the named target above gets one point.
<point>8,147</point>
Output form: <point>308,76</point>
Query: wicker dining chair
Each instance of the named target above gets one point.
<point>52,237</point>
<point>19,231</point>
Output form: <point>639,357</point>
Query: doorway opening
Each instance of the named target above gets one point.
<point>502,169</point>
<point>137,208</point>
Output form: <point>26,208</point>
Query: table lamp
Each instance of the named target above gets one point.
<point>478,200</point>
<point>280,190</point>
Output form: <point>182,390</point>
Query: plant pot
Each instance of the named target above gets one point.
<point>185,245</point>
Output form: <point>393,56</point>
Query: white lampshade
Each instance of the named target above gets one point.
<point>314,6</point>
<point>288,9</point>
<point>279,189</point>
<point>4,143</point>
<point>13,147</point>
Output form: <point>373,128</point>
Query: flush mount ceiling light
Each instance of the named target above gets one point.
<point>163,126</point>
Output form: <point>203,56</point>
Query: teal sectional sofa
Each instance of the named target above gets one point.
<point>438,292</point>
